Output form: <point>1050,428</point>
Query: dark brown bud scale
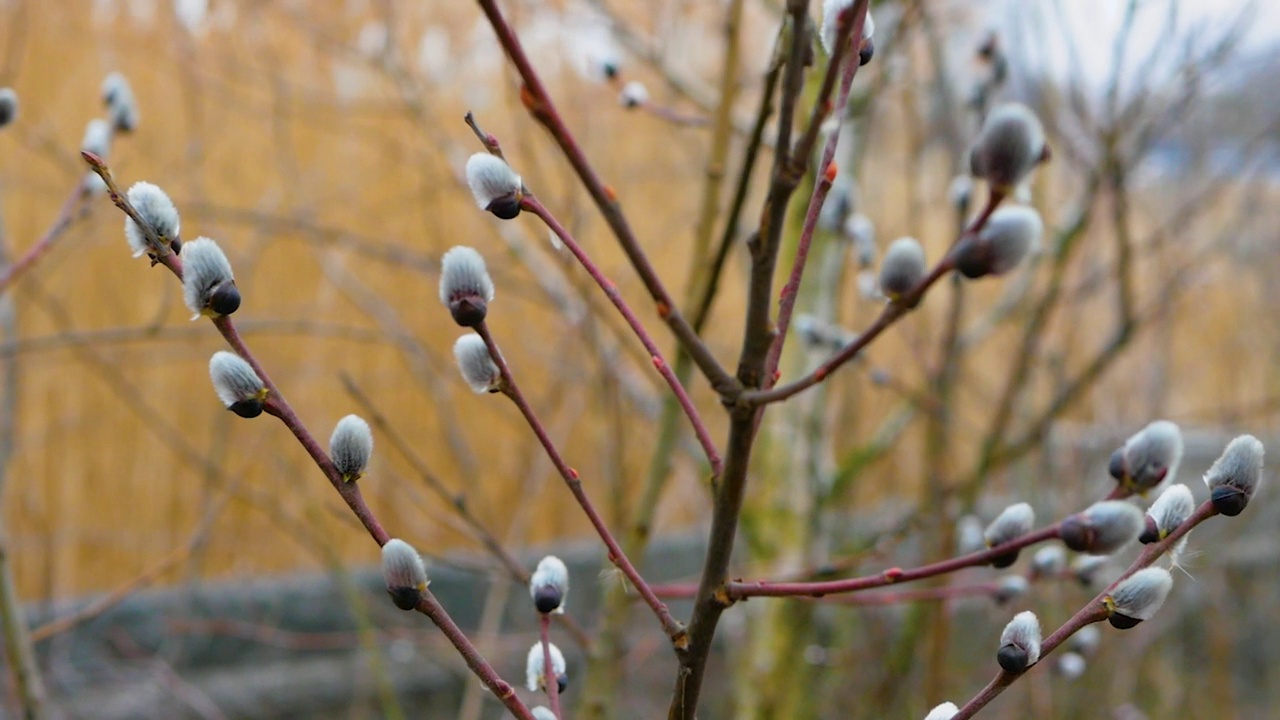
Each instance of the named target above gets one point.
<point>547,598</point>
<point>405,598</point>
<point>1012,658</point>
<point>468,310</point>
<point>1122,622</point>
<point>1150,531</point>
<point>250,408</point>
<point>505,207</point>
<point>225,298</point>
<point>1005,560</point>
<point>1228,500</point>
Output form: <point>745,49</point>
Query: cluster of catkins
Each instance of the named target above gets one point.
<point>1146,461</point>
<point>1010,144</point>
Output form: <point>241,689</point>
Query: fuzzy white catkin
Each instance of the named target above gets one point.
<point>1142,594</point>
<point>634,94</point>
<point>1009,145</point>
<point>1239,466</point>
<point>1152,454</point>
<point>402,566</point>
<point>1086,639</point>
<point>97,138</point>
<point>1049,560</point>
<point>462,273</point>
<point>1023,631</point>
<point>351,446</point>
<point>157,209</point>
<point>1011,587</point>
<point>902,268</point>
<point>969,534</point>
<point>1103,527</point>
<point>1071,665</point>
<point>490,178</point>
<point>1171,509</point>
<point>542,713</point>
<point>121,105</point>
<point>233,379</point>
<point>204,268</point>
<point>945,711</point>
<point>831,10</point>
<point>535,666</point>
<point>8,106</point>
<point>1014,521</point>
<point>1011,233</point>
<point>476,364</point>
<point>550,581</point>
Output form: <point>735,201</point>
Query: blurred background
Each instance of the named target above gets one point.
<point>174,560</point>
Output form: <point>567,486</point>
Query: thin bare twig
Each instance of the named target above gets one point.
<point>675,631</point>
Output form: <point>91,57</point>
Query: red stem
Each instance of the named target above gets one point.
<point>738,590</point>
<point>1093,611</point>
<point>539,103</point>
<point>279,407</point>
<point>276,405</point>
<point>610,289</point>
<point>679,636</point>
<point>548,670</point>
<point>42,246</point>
<point>892,312</point>
<point>429,606</point>
<point>791,291</point>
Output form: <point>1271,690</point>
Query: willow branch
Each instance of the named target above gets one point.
<point>674,629</point>
<point>610,289</point>
<point>540,105</point>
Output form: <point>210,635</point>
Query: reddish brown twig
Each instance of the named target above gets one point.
<point>674,629</point>
<point>1093,611</point>
<point>277,406</point>
<point>532,204</point>
<point>66,216</point>
<point>540,105</point>
<point>548,669</point>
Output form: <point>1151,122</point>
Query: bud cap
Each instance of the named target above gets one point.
<point>351,446</point>
<point>477,366</point>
